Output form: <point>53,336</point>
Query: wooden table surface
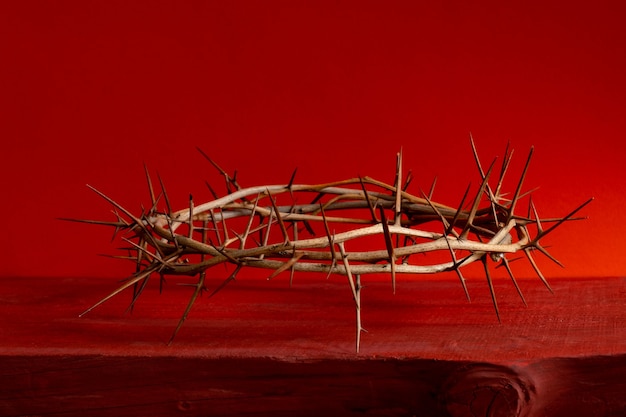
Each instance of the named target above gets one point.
<point>263,348</point>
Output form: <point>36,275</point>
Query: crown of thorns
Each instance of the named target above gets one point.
<point>303,237</point>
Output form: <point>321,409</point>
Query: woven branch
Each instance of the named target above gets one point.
<point>248,228</point>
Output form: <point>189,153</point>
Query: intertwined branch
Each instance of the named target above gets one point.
<point>248,228</point>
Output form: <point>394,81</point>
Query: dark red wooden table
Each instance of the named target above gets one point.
<point>262,348</point>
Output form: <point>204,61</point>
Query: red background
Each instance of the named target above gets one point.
<point>92,90</point>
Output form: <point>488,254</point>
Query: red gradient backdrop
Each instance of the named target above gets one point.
<point>93,89</point>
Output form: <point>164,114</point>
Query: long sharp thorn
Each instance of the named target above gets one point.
<point>218,236</point>
<point>279,217</point>
<point>390,250</point>
<point>508,156</point>
<point>537,270</point>
<point>129,283</point>
<point>491,289</point>
<point>331,241</point>
<point>136,220</point>
<point>518,190</point>
<point>369,202</point>
<point>291,180</point>
<point>398,205</point>
<point>291,262</point>
<point>213,193</point>
<point>432,188</point>
<point>505,262</point>
<point>457,268</point>
<point>476,158</point>
<point>355,288</point>
<point>199,288</point>
<point>563,220</point>
<point>191,228</point>
<point>407,182</point>
<point>150,188</point>
<point>230,278</point>
<point>250,220</point>
<point>215,165</point>
<point>472,213</point>
<point>458,211</point>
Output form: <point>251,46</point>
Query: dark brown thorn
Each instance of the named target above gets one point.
<point>283,229</point>
<point>308,227</point>
<point>215,227</point>
<point>458,211</point>
<point>548,254</point>
<point>398,190</point>
<point>291,180</point>
<point>190,221</point>
<point>150,188</point>
<point>536,268</point>
<point>446,225</point>
<point>118,224</point>
<point>230,278</point>
<point>331,241</point>
<point>408,180</point>
<point>199,287</point>
<point>225,254</point>
<point>216,166</point>
<point>165,196</point>
<point>432,188</point>
<point>390,250</point>
<point>477,199</point>
<point>518,190</point>
<point>213,193</point>
<point>491,289</point>
<point>367,199</point>
<point>562,220</point>
<point>266,237</point>
<point>250,220</point>
<point>293,267</point>
<point>138,222</point>
<point>285,266</point>
<point>537,219</point>
<point>356,296</point>
<point>476,158</point>
<point>505,262</point>
<point>137,291</point>
<point>508,156</point>
<point>457,268</point>
<point>224,227</point>
<point>493,199</point>
<point>128,283</point>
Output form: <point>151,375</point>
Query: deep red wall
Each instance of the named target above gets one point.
<point>91,90</point>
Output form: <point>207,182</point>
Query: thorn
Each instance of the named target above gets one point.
<point>278,217</point>
<point>150,188</point>
<point>537,270</point>
<point>505,262</point>
<point>285,266</point>
<point>432,188</point>
<point>472,213</point>
<point>355,287</point>
<point>199,288</point>
<point>291,180</point>
<point>398,206</point>
<point>369,202</point>
<point>491,289</point>
<point>230,278</point>
<point>331,241</point>
<point>213,193</point>
<point>390,250</point>
<point>519,185</point>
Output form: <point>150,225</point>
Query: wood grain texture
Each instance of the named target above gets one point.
<point>262,348</point>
